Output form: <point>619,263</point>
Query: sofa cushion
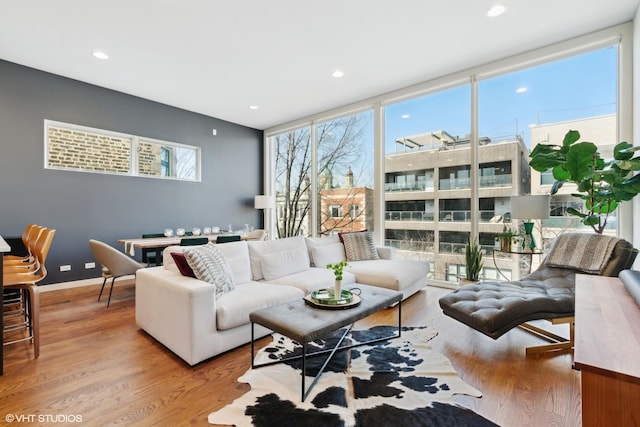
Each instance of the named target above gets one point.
<point>278,264</point>
<point>257,249</point>
<point>359,246</point>
<point>234,307</point>
<point>210,265</point>
<point>237,255</point>
<point>313,278</point>
<point>396,275</point>
<point>318,242</point>
<point>182,264</point>
<point>328,254</point>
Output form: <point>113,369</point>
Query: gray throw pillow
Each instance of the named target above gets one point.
<point>209,265</point>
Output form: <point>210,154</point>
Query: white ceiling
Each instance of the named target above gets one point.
<point>218,57</point>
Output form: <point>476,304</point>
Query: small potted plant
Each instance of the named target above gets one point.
<point>473,258</point>
<point>337,272</point>
<point>506,237</point>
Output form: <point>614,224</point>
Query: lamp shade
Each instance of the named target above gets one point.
<point>530,207</point>
<point>264,202</point>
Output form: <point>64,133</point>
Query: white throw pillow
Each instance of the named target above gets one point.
<point>210,265</point>
<point>257,249</point>
<point>315,242</point>
<point>279,264</point>
<point>328,254</point>
<point>359,246</point>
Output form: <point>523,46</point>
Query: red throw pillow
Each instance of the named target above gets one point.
<point>347,232</point>
<point>182,264</point>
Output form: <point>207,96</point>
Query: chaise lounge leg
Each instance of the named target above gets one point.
<point>558,343</point>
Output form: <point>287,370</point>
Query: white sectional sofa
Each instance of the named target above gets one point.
<point>184,313</point>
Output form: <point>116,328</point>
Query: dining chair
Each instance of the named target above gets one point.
<point>150,255</point>
<point>26,282</point>
<point>116,263</point>
<point>194,241</point>
<point>228,238</point>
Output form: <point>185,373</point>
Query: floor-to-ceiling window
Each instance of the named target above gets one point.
<point>451,154</point>
<point>345,173</point>
<point>426,167</point>
<point>336,155</point>
<point>292,152</point>
<point>538,105</point>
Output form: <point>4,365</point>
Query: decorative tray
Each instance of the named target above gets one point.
<point>323,298</point>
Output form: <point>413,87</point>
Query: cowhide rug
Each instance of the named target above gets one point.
<point>398,382</point>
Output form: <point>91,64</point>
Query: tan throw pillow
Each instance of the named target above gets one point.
<point>210,265</point>
<point>359,246</point>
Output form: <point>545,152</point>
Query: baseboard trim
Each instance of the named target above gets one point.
<point>77,284</point>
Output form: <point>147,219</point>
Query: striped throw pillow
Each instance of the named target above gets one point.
<point>209,265</point>
<point>359,246</point>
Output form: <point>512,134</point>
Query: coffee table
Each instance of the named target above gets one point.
<point>304,324</point>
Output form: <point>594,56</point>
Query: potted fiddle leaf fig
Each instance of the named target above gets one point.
<point>601,184</point>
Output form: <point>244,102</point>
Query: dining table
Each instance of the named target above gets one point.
<point>160,243</point>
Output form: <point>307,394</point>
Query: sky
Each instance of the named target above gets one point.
<point>580,86</point>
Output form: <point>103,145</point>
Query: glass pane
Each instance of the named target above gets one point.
<point>167,160</point>
<point>292,183</point>
<point>345,174</point>
<point>539,105</point>
<point>427,178</point>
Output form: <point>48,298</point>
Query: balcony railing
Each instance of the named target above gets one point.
<point>410,245</point>
<point>456,216</point>
<point>392,186</point>
<point>408,216</point>
<point>495,180</point>
<point>455,184</point>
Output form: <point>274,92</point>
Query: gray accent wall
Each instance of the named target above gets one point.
<point>82,206</point>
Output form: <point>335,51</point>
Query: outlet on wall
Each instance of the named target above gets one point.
<point>65,268</point>
<point>89,265</point>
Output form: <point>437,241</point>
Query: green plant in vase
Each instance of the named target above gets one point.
<point>506,237</point>
<point>338,269</point>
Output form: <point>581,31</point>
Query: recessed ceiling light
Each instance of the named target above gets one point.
<point>405,116</point>
<point>337,74</point>
<point>253,107</point>
<point>496,10</point>
<point>100,54</point>
<point>521,90</point>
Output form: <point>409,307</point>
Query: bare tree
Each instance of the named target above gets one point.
<point>339,146</point>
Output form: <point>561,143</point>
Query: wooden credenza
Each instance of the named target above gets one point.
<point>607,352</point>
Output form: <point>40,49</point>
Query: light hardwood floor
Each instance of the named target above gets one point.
<point>96,363</point>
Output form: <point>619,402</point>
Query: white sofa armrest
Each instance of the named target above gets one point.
<point>178,311</point>
<point>386,252</point>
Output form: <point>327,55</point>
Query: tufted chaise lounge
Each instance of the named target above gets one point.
<point>494,308</point>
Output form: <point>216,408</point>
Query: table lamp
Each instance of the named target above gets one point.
<point>264,202</point>
<point>528,208</point>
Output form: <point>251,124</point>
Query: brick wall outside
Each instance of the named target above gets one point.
<point>149,158</point>
<point>75,149</point>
